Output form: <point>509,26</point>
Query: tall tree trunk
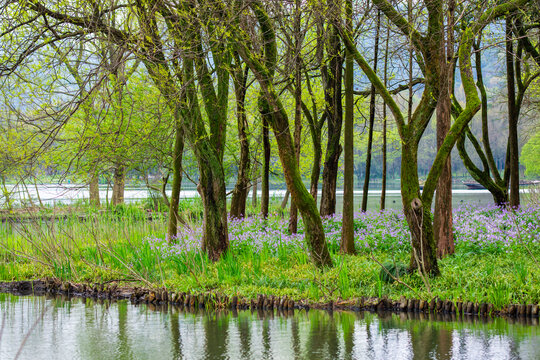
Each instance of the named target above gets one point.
<point>347,230</point>
<point>265,186</point>
<point>94,189</point>
<point>240,192</point>
<point>172,229</point>
<point>119,182</point>
<point>442,221</point>
<point>334,110</point>
<point>512,117</point>
<point>384,145</point>
<point>371,117</point>
<point>293,213</point>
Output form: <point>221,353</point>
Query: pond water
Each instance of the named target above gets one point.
<point>59,328</point>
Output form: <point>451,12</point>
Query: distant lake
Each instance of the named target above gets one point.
<point>54,193</point>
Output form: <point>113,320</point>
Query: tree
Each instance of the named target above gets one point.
<point>331,73</point>
<point>240,191</point>
<point>147,29</point>
<point>371,116</point>
<point>442,219</point>
<point>347,232</point>
<point>417,207</point>
<point>523,75</point>
<point>279,122</point>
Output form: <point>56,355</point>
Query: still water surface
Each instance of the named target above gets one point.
<point>56,328</point>
<point>54,194</point>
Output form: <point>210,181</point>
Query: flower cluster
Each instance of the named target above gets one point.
<point>478,229</point>
<point>494,229</point>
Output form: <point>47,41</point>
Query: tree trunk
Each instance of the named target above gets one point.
<point>442,221</point>
<point>213,194</point>
<point>172,229</point>
<point>332,95</point>
<point>418,215</point>
<point>315,170</point>
<point>265,186</point>
<point>371,118</point>
<point>293,213</point>
<point>347,230</point>
<point>119,181</point>
<point>384,145</point>
<point>94,189</point>
<point>512,117</point>
<point>254,193</point>
<point>240,192</point>
<point>285,200</point>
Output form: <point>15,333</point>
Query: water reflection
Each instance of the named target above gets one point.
<point>84,329</point>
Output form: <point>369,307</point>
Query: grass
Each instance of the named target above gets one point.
<point>495,261</point>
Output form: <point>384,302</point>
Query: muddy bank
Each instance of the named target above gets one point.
<point>213,300</point>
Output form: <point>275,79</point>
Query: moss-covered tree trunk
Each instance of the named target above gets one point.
<point>172,228</point>
<point>241,189</point>
<point>315,170</point>
<point>315,129</point>
<point>254,191</point>
<point>418,215</point>
<point>119,182</point>
<point>332,74</point>
<point>208,149</point>
<point>94,189</point>
<point>314,231</point>
<point>298,40</point>
<point>213,194</point>
<point>443,221</point>
<point>384,119</point>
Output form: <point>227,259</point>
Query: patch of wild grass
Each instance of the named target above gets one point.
<point>494,261</point>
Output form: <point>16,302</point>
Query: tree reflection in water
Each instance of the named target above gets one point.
<point>88,330</point>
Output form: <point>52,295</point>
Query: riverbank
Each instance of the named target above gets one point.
<point>267,303</point>
<point>496,262</point>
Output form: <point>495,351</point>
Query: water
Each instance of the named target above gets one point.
<point>54,193</point>
<point>57,328</point>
